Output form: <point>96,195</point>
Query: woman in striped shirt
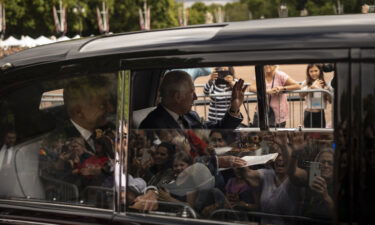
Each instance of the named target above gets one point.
<point>221,82</point>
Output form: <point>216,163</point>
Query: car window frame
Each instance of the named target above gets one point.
<point>245,58</point>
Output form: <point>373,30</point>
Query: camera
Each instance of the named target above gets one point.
<point>221,75</point>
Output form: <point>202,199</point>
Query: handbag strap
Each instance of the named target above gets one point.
<point>270,96</point>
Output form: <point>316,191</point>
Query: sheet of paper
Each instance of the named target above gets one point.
<point>256,160</point>
<point>222,150</point>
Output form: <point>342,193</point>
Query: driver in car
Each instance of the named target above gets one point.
<point>67,154</point>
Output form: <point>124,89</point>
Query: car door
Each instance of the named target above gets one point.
<point>55,168</point>
<point>256,144</point>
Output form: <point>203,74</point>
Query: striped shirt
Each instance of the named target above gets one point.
<point>219,105</point>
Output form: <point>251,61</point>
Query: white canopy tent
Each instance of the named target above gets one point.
<point>11,41</point>
<point>42,40</point>
<point>28,42</point>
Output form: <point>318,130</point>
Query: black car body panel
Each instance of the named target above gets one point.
<point>347,40</point>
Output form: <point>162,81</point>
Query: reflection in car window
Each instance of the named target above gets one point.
<point>67,157</point>
<point>233,173</point>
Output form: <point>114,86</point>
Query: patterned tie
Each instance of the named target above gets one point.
<point>91,142</point>
<point>183,122</point>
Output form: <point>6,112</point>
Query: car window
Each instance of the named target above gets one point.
<point>51,99</point>
<point>197,161</point>
<point>57,141</point>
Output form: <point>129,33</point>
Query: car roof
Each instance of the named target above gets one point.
<point>338,31</point>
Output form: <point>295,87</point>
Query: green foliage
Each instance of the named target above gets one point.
<point>163,14</point>
<point>35,18</point>
<point>320,8</point>
<point>197,13</point>
<point>236,12</point>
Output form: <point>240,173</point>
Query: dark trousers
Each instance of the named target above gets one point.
<point>314,119</point>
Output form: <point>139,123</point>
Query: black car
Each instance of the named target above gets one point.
<point>74,150</point>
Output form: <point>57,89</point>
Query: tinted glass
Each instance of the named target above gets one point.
<point>58,139</point>
<point>197,161</point>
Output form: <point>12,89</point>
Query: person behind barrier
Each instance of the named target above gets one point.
<point>316,102</point>
<point>221,81</point>
<point>277,82</point>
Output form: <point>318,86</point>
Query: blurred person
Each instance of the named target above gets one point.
<point>182,160</point>
<point>194,184</point>
<point>316,102</point>
<point>221,81</point>
<point>278,194</point>
<point>277,82</point>
<point>163,160</point>
<point>365,8</point>
<point>217,139</point>
<point>240,193</point>
<point>6,150</point>
<point>319,202</point>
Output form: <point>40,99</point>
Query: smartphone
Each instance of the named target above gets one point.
<point>221,75</point>
<point>314,171</point>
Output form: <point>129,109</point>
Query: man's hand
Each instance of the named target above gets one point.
<point>228,161</point>
<point>238,93</point>
<point>297,141</point>
<point>146,202</point>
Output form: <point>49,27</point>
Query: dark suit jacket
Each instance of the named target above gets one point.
<point>161,119</point>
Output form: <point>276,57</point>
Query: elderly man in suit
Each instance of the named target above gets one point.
<point>65,153</point>
<point>177,94</point>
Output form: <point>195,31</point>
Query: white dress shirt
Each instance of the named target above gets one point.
<point>86,134</point>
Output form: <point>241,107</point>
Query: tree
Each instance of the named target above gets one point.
<point>125,15</point>
<point>319,7</point>
<point>197,13</point>
<point>236,12</point>
<point>163,14</point>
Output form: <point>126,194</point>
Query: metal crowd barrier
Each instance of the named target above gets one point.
<point>203,101</point>
<point>295,104</point>
<point>49,100</point>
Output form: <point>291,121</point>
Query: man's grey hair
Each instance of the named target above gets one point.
<point>80,91</point>
<point>174,81</point>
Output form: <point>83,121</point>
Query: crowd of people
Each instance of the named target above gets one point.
<point>10,50</point>
<point>222,79</point>
<point>174,158</point>
<point>189,168</point>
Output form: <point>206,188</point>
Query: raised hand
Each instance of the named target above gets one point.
<point>238,95</point>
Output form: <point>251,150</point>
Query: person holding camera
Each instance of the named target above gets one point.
<point>318,201</point>
<point>277,82</point>
<point>221,82</point>
<point>316,102</point>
